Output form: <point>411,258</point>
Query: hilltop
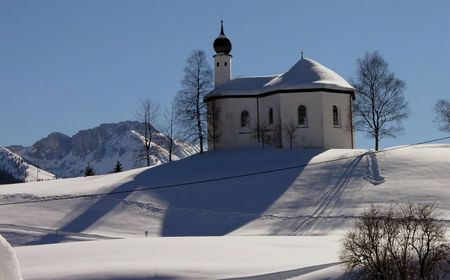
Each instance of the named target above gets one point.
<point>232,193</point>
<point>282,198</point>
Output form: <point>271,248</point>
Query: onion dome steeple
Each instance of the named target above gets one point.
<point>222,44</point>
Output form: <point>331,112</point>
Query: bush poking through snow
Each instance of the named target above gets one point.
<point>9,267</point>
<point>400,242</point>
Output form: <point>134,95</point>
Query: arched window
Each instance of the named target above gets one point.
<point>245,119</point>
<point>335,116</point>
<point>302,117</point>
<point>270,116</point>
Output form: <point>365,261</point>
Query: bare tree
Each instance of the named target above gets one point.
<point>290,128</point>
<point>442,109</point>
<point>38,156</point>
<point>191,109</point>
<point>148,114</point>
<point>261,133</point>
<point>170,130</point>
<point>400,242</point>
<point>213,118</point>
<point>380,104</point>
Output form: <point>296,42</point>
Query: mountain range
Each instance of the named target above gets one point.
<point>100,148</point>
<point>14,169</point>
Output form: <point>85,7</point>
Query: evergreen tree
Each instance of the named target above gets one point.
<point>118,167</point>
<point>89,171</point>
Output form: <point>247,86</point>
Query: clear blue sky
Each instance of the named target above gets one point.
<point>71,65</point>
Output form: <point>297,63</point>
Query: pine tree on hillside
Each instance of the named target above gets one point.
<point>118,167</point>
<point>89,171</point>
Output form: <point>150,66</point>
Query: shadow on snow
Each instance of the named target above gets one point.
<point>201,209</point>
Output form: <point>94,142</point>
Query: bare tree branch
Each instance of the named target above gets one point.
<point>442,110</point>
<point>380,105</point>
<point>148,115</point>
<point>190,108</point>
<point>170,130</point>
<point>405,241</point>
<point>290,129</point>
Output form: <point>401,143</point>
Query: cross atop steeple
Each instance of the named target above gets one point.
<point>221,28</point>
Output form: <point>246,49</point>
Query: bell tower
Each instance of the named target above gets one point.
<point>222,58</point>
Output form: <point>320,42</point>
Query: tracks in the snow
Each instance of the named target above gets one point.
<point>54,231</point>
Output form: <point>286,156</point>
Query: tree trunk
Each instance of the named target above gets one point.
<point>148,155</point>
<point>170,147</point>
<point>377,140</point>
<point>200,136</point>
<point>199,120</point>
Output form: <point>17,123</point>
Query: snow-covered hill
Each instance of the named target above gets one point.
<point>14,169</point>
<point>100,147</point>
<point>247,192</point>
<point>230,257</point>
<point>191,198</point>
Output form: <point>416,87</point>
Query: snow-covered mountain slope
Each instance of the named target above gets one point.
<point>14,168</point>
<point>100,147</point>
<point>229,192</point>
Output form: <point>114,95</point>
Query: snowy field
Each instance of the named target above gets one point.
<point>271,213</point>
<point>268,257</point>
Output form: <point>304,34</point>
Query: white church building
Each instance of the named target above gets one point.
<point>309,106</point>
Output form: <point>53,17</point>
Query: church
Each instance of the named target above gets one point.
<point>309,106</point>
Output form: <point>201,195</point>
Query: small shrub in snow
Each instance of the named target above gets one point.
<point>400,242</point>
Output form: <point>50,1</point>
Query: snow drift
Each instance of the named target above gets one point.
<point>9,267</point>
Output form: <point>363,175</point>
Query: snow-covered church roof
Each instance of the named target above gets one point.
<point>305,75</point>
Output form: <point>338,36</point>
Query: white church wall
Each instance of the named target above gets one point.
<point>272,131</point>
<point>311,134</point>
<point>319,132</point>
<point>231,134</point>
<point>339,136</point>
